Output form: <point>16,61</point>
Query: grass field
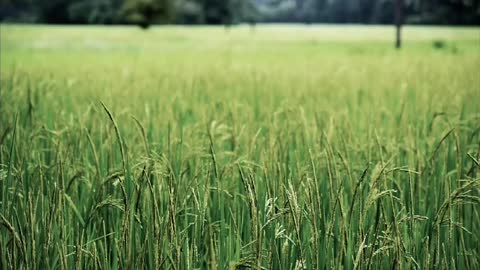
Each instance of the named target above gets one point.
<point>280,147</point>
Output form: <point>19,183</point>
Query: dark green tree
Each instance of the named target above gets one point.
<point>249,12</point>
<point>53,11</point>
<point>146,12</point>
<point>217,11</point>
<point>188,12</point>
<point>95,11</point>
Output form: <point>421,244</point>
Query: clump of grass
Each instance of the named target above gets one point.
<point>439,44</point>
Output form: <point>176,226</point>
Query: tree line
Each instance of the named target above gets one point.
<point>227,12</point>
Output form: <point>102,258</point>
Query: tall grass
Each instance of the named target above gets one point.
<point>238,152</point>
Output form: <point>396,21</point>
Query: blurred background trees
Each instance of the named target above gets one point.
<point>227,12</point>
<point>94,11</point>
<point>146,12</point>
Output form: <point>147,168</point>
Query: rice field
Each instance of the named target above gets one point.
<point>275,147</point>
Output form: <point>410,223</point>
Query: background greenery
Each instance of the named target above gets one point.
<point>285,147</point>
<point>236,11</point>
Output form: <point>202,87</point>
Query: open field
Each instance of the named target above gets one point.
<point>281,147</point>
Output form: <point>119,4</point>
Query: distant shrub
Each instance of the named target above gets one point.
<point>439,44</point>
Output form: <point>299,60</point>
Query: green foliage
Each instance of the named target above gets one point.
<point>146,12</point>
<point>329,151</point>
<point>188,12</point>
<point>95,11</point>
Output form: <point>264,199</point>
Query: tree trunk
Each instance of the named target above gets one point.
<point>398,23</point>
